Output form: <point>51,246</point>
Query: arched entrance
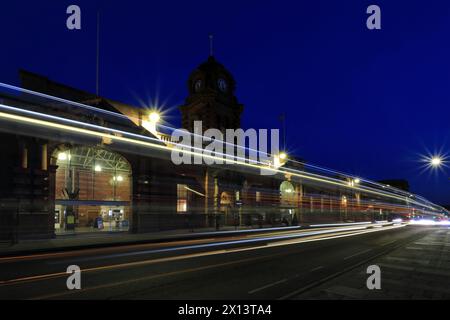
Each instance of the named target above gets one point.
<point>225,201</point>
<point>226,204</point>
<point>287,202</point>
<point>287,193</point>
<point>92,190</point>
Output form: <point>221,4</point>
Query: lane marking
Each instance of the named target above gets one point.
<point>410,261</point>
<point>431,243</point>
<point>316,268</point>
<point>396,266</point>
<point>127,282</point>
<point>357,254</point>
<point>433,249</point>
<point>267,286</point>
<point>336,274</point>
<point>414,248</point>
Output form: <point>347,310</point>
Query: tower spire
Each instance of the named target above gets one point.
<point>211,40</point>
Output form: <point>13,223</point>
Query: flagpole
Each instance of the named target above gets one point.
<point>211,38</point>
<point>282,119</point>
<point>284,126</point>
<point>98,55</point>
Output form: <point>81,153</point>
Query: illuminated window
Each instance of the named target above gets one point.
<point>258,196</point>
<point>181,206</point>
<point>287,192</point>
<point>182,195</point>
<point>344,200</point>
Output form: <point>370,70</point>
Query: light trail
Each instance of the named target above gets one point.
<point>122,116</point>
<point>72,103</point>
<point>145,142</point>
<point>216,244</point>
<point>283,242</point>
<point>243,234</point>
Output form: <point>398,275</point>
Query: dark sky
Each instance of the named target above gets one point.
<point>370,103</point>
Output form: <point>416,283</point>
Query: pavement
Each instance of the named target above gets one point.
<point>416,270</point>
<point>326,263</point>
<point>79,240</point>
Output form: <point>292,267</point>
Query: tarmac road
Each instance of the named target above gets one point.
<point>281,265</point>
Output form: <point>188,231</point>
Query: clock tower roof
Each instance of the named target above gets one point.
<point>211,98</point>
<point>211,76</point>
<point>212,65</point>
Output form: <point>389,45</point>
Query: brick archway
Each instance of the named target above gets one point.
<point>92,185</point>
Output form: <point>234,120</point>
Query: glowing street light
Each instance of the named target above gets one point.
<point>118,178</point>
<point>279,159</point>
<point>62,156</point>
<point>436,161</point>
<point>357,180</point>
<point>154,117</point>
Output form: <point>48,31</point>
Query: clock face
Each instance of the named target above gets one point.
<point>222,84</point>
<point>198,85</point>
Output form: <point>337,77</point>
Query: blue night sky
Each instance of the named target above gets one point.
<point>364,102</point>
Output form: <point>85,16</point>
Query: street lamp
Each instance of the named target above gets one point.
<point>118,178</point>
<point>63,156</point>
<point>279,159</point>
<point>352,182</point>
<point>154,117</point>
<point>436,161</point>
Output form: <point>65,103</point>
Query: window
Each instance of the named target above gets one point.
<point>181,198</point>
<point>101,176</point>
<point>287,192</point>
<point>258,196</point>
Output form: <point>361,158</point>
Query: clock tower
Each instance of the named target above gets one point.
<point>211,98</point>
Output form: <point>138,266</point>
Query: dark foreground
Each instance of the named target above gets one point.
<point>321,264</point>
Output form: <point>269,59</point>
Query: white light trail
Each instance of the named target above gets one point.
<point>146,141</point>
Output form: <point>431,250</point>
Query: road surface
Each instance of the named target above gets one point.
<point>280,265</point>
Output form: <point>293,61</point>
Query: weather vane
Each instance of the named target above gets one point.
<point>211,39</point>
